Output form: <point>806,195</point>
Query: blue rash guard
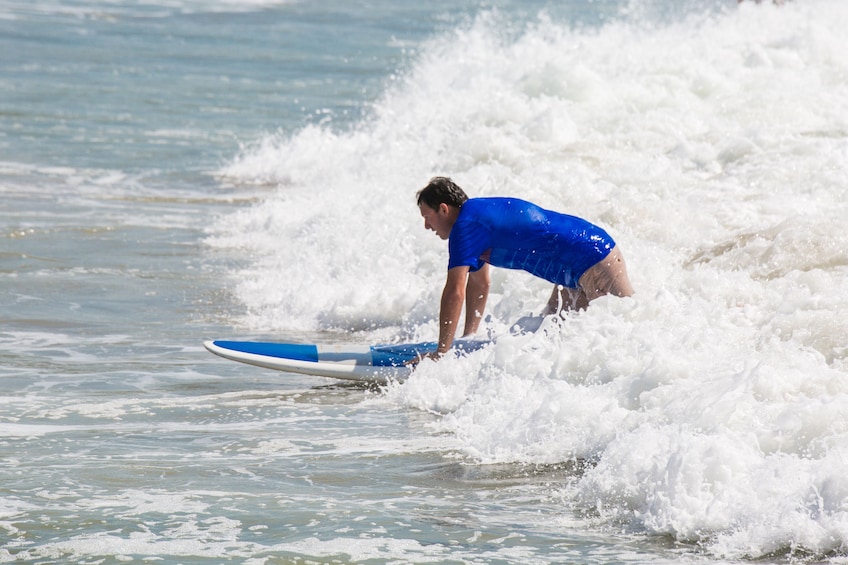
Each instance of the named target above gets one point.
<point>515,234</point>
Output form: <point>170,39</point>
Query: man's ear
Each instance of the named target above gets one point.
<point>444,209</point>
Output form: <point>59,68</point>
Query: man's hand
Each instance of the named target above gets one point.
<point>434,355</point>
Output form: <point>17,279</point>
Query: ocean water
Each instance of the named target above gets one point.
<point>178,170</point>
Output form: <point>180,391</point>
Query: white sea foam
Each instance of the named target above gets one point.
<point>713,403</point>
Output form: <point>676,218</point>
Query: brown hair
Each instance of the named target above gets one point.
<point>441,190</point>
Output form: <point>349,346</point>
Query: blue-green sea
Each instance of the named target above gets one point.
<point>173,171</point>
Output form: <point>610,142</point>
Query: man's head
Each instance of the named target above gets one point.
<point>441,190</point>
<point>439,203</point>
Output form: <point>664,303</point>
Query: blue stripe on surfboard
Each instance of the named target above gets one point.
<point>398,355</point>
<point>296,351</point>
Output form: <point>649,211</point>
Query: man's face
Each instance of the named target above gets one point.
<point>439,220</point>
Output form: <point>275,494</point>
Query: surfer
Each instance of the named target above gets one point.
<point>580,258</point>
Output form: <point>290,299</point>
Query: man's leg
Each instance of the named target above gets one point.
<point>608,276</point>
<point>564,298</point>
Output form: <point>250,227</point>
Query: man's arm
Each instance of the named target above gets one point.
<point>476,294</point>
<point>450,311</point>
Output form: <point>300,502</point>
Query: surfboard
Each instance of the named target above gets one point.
<point>367,363</point>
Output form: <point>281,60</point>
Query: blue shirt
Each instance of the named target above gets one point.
<point>515,234</point>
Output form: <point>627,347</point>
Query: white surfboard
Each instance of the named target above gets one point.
<point>364,363</point>
<point>369,363</point>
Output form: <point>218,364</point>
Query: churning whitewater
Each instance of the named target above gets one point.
<point>712,405</point>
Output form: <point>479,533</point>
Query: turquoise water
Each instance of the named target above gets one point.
<point>176,170</point>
